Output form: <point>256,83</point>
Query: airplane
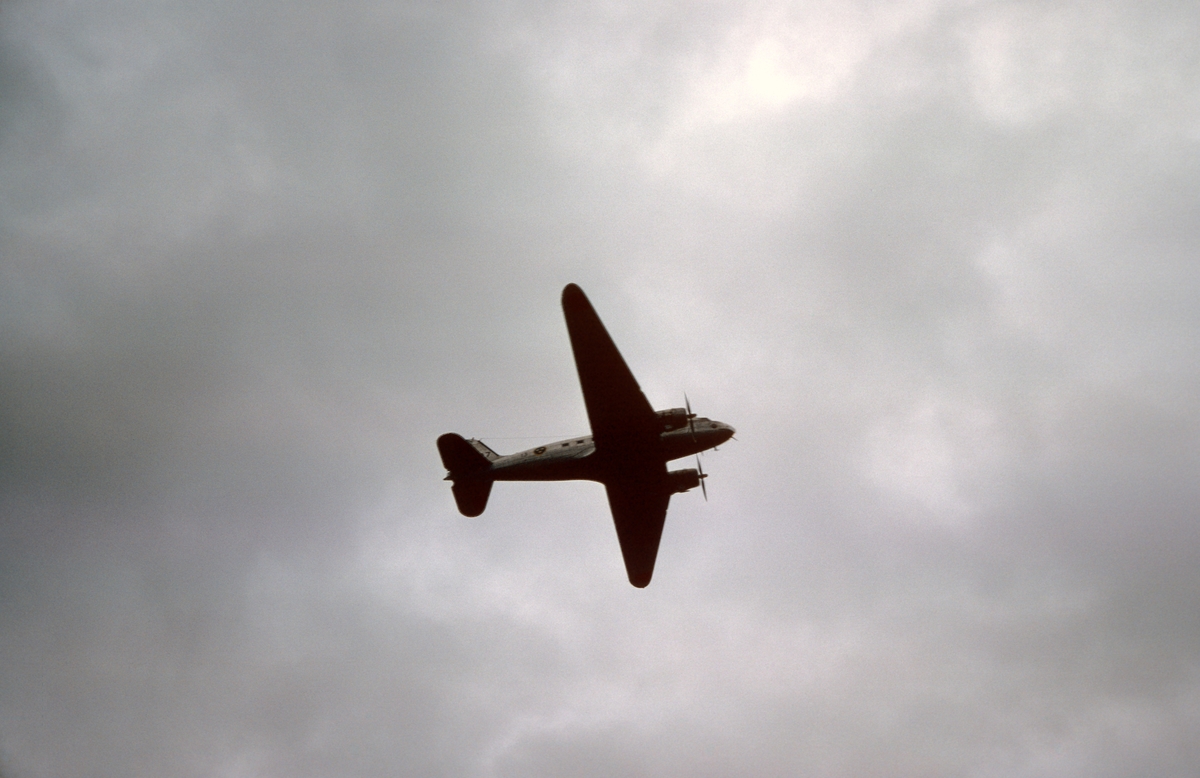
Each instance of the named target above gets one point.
<point>627,451</point>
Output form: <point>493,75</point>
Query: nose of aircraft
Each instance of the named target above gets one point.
<point>727,432</point>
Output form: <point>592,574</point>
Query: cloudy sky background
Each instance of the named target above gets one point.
<point>935,260</point>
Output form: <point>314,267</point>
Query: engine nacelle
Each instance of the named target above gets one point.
<point>672,419</point>
<point>683,480</point>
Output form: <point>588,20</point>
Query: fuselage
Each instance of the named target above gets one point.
<point>574,459</point>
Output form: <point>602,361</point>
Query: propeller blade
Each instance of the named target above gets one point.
<point>700,471</point>
<point>690,416</point>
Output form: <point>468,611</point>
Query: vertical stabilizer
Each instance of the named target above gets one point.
<point>483,449</point>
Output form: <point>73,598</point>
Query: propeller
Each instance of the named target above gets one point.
<point>690,416</point>
<point>700,471</point>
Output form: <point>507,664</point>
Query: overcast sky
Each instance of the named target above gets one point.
<point>936,261</point>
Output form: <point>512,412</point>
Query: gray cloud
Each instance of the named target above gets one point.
<point>934,261</point>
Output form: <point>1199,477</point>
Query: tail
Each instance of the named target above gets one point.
<point>468,466</point>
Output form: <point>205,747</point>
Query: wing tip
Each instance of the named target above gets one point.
<point>571,293</point>
<point>640,572</point>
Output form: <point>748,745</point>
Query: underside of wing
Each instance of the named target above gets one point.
<point>626,432</point>
<point>639,510</point>
<point>617,409</point>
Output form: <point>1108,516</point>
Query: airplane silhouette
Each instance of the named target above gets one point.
<point>627,451</point>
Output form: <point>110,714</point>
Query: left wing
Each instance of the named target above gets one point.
<point>639,509</point>
<point>617,409</point>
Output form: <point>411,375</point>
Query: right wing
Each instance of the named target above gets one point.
<point>617,409</point>
<point>639,510</point>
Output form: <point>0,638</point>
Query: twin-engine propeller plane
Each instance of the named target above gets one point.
<point>627,451</point>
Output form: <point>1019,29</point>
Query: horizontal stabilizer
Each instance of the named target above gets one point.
<point>460,457</point>
<point>468,468</point>
<point>471,495</point>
